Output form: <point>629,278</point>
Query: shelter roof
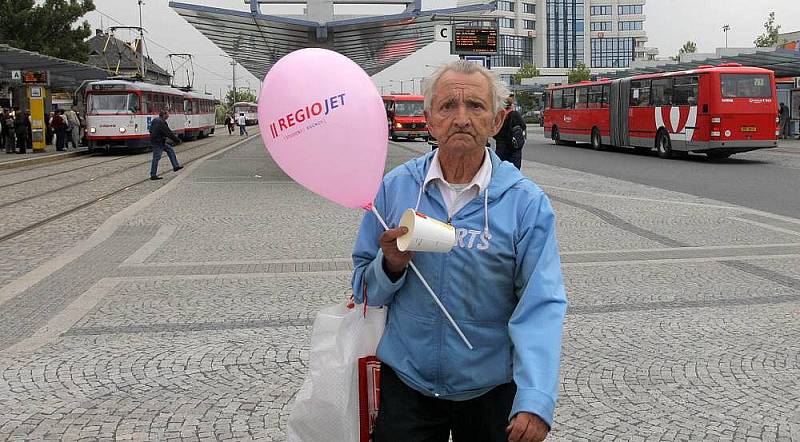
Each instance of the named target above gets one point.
<point>63,73</point>
<point>783,62</point>
<point>257,40</point>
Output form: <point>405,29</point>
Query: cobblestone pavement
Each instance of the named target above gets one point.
<point>188,314</point>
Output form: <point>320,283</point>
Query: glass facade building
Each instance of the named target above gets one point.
<point>565,33</point>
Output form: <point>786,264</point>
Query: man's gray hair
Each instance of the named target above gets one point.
<point>499,90</point>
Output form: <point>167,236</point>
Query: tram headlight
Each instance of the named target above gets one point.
<point>92,130</point>
<point>122,130</point>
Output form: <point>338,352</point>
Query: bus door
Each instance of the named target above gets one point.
<point>619,105</point>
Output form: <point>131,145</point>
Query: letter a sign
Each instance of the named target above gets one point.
<point>443,33</point>
<point>16,75</point>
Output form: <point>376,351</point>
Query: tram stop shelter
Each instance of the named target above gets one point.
<point>257,40</point>
<point>27,78</point>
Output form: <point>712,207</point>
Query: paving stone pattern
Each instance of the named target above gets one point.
<point>683,322</point>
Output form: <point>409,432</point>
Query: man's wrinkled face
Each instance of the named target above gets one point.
<point>461,116</point>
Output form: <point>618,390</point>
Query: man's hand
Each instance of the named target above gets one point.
<point>526,427</point>
<point>394,261</point>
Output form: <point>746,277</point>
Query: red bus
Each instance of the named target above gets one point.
<point>715,110</point>
<point>404,116</point>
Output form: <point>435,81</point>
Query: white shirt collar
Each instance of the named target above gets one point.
<point>481,179</point>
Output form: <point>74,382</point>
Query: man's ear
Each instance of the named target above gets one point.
<point>427,117</point>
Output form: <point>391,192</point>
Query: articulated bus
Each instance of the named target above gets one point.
<point>250,111</point>
<point>404,116</point>
<point>119,113</point>
<point>715,110</point>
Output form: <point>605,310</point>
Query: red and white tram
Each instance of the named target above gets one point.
<point>249,109</point>
<point>200,116</point>
<point>119,113</point>
<point>715,110</point>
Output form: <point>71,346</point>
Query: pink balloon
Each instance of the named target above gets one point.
<point>324,123</point>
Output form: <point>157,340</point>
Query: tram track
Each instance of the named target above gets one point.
<point>71,185</point>
<point>76,208</point>
<point>17,183</point>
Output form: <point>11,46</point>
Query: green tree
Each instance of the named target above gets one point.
<point>241,95</point>
<point>526,71</point>
<point>689,47</point>
<point>770,36</point>
<point>579,73</point>
<point>47,27</point>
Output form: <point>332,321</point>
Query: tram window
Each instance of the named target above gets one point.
<point>558,97</point>
<point>187,106</point>
<point>661,92</point>
<point>133,103</point>
<point>685,91</point>
<point>640,93</point>
<point>581,98</point>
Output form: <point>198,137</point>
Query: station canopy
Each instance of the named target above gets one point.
<point>257,41</point>
<point>61,73</point>
<point>784,62</point>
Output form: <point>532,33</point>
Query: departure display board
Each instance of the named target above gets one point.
<point>475,41</point>
<point>31,77</point>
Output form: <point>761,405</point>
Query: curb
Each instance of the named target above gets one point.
<point>48,158</point>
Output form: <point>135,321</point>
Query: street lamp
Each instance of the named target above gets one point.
<point>725,29</point>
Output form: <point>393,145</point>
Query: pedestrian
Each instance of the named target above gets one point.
<point>783,121</point>
<point>513,124</point>
<point>29,125</point>
<point>501,282</point>
<point>21,129</point>
<point>48,131</point>
<point>159,133</point>
<point>73,127</point>
<point>229,124</point>
<point>241,120</point>
<point>59,125</point>
<point>8,133</point>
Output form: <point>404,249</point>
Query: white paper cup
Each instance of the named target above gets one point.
<point>425,234</point>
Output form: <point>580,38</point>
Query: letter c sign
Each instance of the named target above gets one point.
<point>443,33</point>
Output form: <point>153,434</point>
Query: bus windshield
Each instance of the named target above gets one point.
<point>408,108</point>
<point>111,103</point>
<point>745,86</point>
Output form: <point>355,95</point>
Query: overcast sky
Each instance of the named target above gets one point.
<point>669,24</point>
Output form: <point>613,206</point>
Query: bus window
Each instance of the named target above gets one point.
<point>581,98</point>
<point>661,92</point>
<point>558,99</point>
<point>595,97</point>
<point>606,90</point>
<point>745,85</point>
<point>547,104</point>
<point>640,93</point>
<point>569,99</point>
<point>685,92</point>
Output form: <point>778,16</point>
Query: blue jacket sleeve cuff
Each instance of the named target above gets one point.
<point>534,401</point>
<point>383,288</point>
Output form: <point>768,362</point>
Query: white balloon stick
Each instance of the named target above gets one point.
<point>425,283</point>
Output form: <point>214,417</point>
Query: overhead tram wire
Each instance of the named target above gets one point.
<point>168,49</point>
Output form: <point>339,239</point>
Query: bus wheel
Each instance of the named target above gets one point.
<point>663,145</point>
<point>597,143</point>
<point>556,136</point>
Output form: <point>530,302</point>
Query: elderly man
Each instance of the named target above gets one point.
<point>501,283</point>
<point>159,133</point>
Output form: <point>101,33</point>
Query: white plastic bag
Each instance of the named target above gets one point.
<point>327,406</point>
